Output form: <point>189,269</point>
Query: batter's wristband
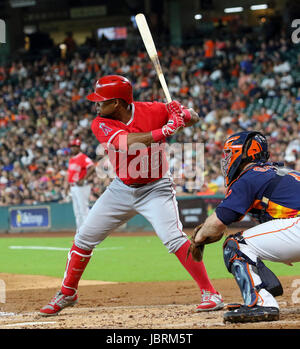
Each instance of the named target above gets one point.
<point>187,115</point>
<point>158,135</point>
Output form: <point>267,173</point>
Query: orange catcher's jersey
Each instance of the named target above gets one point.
<point>78,166</point>
<point>136,165</point>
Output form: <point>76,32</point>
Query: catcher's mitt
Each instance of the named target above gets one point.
<point>196,250</point>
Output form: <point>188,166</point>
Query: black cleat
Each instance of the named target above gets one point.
<point>253,314</point>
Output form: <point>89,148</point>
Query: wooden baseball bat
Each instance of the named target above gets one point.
<point>150,47</point>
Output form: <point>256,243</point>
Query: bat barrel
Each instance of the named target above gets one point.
<point>152,52</point>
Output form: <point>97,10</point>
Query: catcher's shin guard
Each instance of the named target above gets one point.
<point>76,264</point>
<point>245,270</point>
<point>240,270</point>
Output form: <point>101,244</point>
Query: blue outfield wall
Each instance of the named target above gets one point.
<point>44,217</point>
<point>55,217</point>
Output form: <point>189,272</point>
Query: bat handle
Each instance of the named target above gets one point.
<point>161,77</point>
<point>165,87</point>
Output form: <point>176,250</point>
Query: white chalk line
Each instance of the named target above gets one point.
<point>2,313</point>
<point>48,248</point>
<point>30,323</point>
<point>192,324</point>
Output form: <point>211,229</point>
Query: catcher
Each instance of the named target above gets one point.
<point>270,192</point>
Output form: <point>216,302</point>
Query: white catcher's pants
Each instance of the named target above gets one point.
<point>80,200</point>
<point>277,241</point>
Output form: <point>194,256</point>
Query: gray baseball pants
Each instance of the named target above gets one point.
<point>155,201</point>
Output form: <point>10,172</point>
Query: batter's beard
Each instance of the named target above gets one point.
<point>107,117</point>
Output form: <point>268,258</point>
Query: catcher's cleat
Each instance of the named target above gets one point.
<point>58,303</point>
<point>233,306</point>
<point>210,302</point>
<point>253,314</point>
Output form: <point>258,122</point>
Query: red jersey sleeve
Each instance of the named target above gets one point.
<point>87,161</point>
<point>108,132</point>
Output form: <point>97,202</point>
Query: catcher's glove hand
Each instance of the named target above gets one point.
<point>196,250</point>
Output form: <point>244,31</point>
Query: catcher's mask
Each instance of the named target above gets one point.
<point>242,148</point>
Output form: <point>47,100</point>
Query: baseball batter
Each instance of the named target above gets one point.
<point>269,192</point>
<point>133,134</point>
<point>80,169</point>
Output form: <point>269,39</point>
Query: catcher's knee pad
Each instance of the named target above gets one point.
<point>241,266</point>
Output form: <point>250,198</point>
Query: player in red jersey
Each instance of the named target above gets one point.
<point>80,169</point>
<point>133,134</point>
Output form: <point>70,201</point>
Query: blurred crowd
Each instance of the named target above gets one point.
<point>43,105</point>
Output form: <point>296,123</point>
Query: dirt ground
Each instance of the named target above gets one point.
<point>143,305</point>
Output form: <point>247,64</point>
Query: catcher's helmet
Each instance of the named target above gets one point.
<point>75,142</point>
<point>111,87</point>
<point>242,148</point>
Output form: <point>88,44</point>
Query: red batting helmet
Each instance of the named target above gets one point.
<point>75,142</point>
<point>111,87</point>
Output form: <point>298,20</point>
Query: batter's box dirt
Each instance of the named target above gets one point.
<point>145,305</point>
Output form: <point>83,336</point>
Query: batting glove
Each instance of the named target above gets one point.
<point>174,124</point>
<point>176,107</point>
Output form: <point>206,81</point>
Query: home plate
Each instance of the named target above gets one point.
<point>31,323</point>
